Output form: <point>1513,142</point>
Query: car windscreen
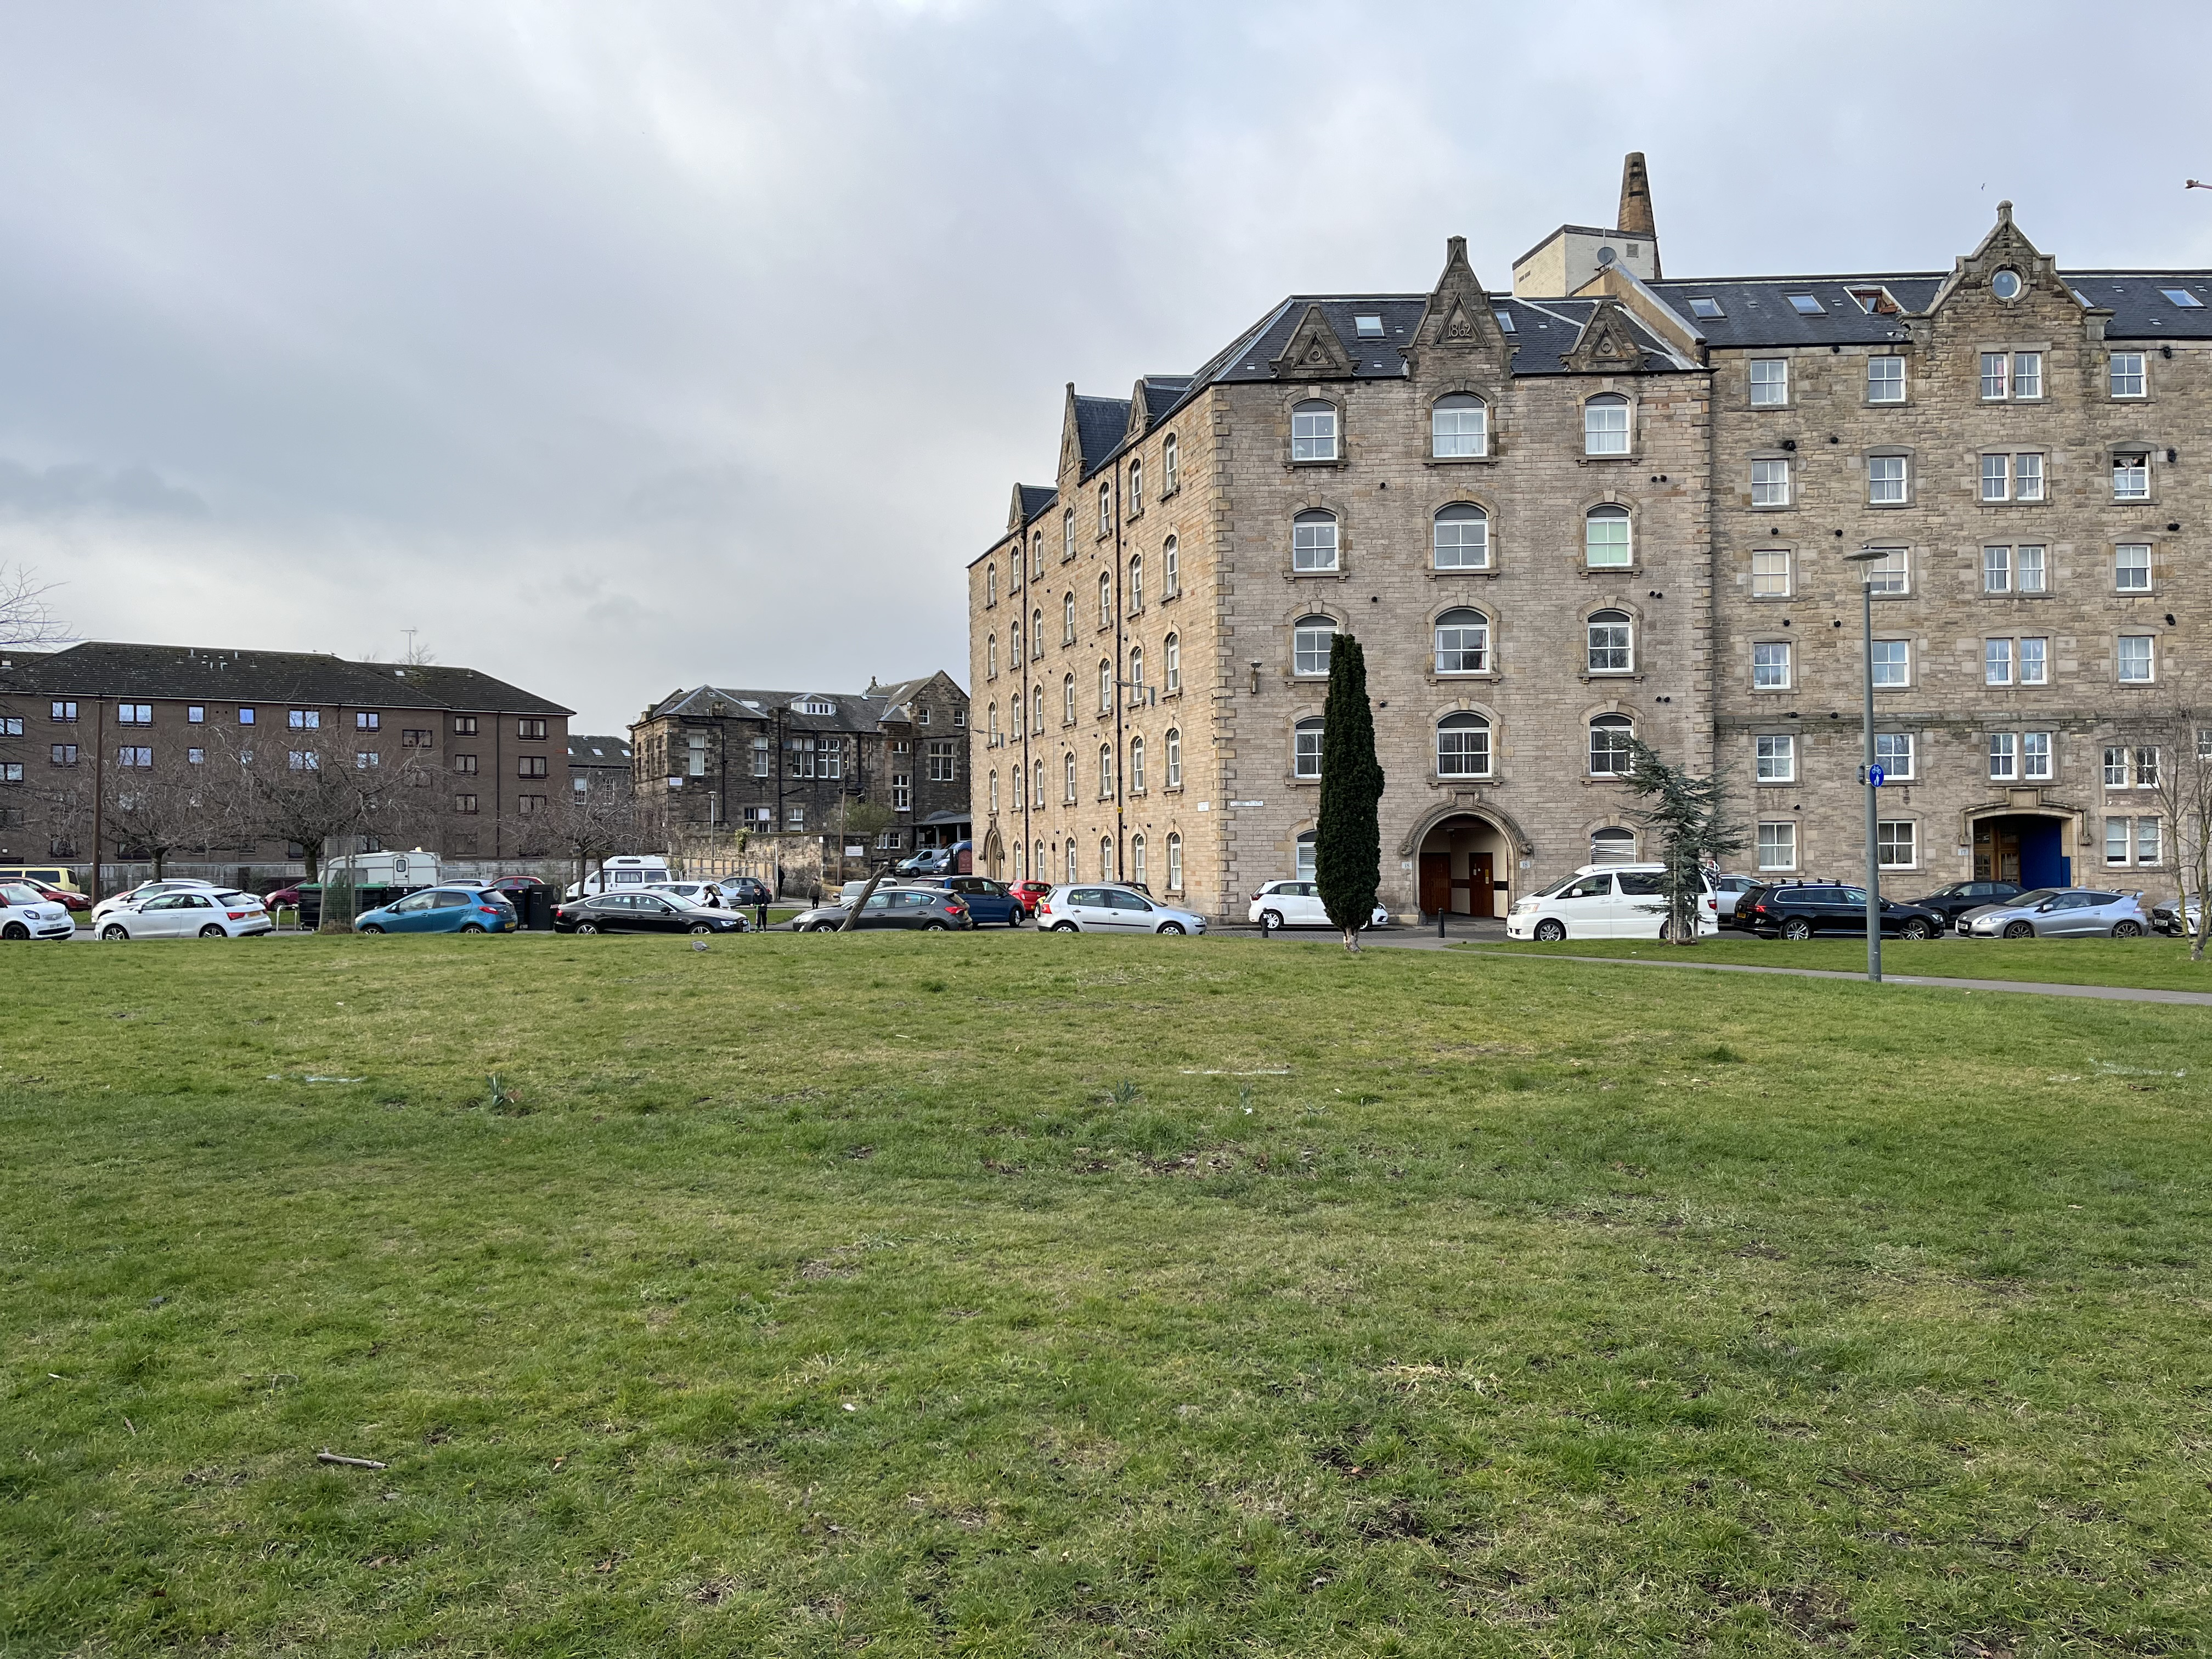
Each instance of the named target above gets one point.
<point>2040,895</point>
<point>17,893</point>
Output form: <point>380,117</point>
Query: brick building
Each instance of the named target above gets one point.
<point>784,762</point>
<point>462,764</point>
<point>1612,502</point>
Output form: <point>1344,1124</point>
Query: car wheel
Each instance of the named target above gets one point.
<point>1175,927</point>
<point>1797,928</point>
<point>1916,928</point>
<point>2127,930</point>
<point>1271,921</point>
<point>1065,927</point>
<point>935,927</point>
<point>587,927</point>
<point>2019,930</point>
<point>701,927</point>
<point>115,932</point>
<point>15,930</point>
<point>213,930</point>
<point>472,928</point>
<point>370,927</point>
<point>1551,931</point>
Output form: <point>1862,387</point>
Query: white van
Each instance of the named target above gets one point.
<point>619,874</point>
<point>1607,901</point>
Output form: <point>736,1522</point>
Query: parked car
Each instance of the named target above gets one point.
<point>1961,897</point>
<point>2059,913</point>
<point>131,898</point>
<point>202,913</point>
<point>708,893</point>
<point>643,912</point>
<point>990,903</point>
<point>2178,921</point>
<point>621,873</point>
<point>26,912</point>
<point>40,875</point>
<point>452,908</point>
<point>1606,901</point>
<point>929,909</point>
<point>1030,893</point>
<point>68,897</point>
<point>746,891</point>
<point>1112,909</point>
<point>1727,891</point>
<point>511,885</point>
<point>1801,910</point>
<point>1297,904</point>
<point>938,860</point>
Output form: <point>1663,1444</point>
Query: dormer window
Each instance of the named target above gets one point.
<point>1808,306</point>
<point>1874,301</point>
<point>1710,309</point>
<point>1369,324</point>
<point>816,706</point>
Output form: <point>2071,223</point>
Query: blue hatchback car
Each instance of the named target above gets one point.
<point>990,903</point>
<point>440,910</point>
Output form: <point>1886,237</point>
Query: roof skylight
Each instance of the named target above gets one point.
<point>1706,308</point>
<point>2181,296</point>
<point>1369,324</point>
<point>1504,320</point>
<point>1808,306</point>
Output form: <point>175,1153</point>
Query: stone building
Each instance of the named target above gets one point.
<point>786,763</point>
<point>1610,503</point>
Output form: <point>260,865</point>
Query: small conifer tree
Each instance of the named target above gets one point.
<point>1689,820</point>
<point>1348,838</point>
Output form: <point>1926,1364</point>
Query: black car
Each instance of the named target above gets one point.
<point>1960,896</point>
<point>930,909</point>
<point>641,913</point>
<point>1800,910</point>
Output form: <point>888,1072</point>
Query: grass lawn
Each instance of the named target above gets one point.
<point>1020,1295</point>
<point>2154,963</point>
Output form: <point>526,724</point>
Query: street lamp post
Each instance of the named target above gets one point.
<point>1865,558</point>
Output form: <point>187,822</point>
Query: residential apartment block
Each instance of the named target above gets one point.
<point>1612,503</point>
<point>461,763</point>
<point>790,762</point>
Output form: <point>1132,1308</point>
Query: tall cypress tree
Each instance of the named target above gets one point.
<point>1348,839</point>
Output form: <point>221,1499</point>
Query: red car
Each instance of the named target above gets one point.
<point>1030,893</point>
<point>76,902</point>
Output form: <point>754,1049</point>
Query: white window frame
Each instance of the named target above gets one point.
<point>2126,659</point>
<point>2003,748</point>
<point>1171,662</point>
<point>1468,722</point>
<point>1306,747</point>
<point>1314,435</point>
<point>1770,382</point>
<point>2032,657</point>
<point>1888,490</point>
<point>1608,419</point>
<point>1770,481</point>
<point>1170,465</point>
<point>1174,741</point>
<point>1620,729</point>
<point>1892,744</point>
<point>1896,837</point>
<point>1893,672</point>
<point>1609,514</point>
<point>1303,632</point>
<point>1998,662</point>
<point>1625,645</point>
<point>2123,567</point>
<point>1317,543</point>
<point>1464,439</point>
<point>1789,573</point>
<point>1465,552</point>
<point>1771,661</point>
<point>1170,568</point>
<point>1774,758</point>
<point>1777,844</point>
<point>2125,367</point>
<point>1175,862</point>
<point>1878,386</point>
<point>2038,757</point>
<point>2131,475</point>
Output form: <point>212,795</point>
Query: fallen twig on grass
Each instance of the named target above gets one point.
<point>328,1456</point>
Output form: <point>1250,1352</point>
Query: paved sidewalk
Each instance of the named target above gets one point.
<point>2031,988</point>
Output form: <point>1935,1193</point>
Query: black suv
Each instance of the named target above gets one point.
<point>1805,908</point>
<point>1961,897</point>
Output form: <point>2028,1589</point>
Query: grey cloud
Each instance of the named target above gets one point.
<point>73,487</point>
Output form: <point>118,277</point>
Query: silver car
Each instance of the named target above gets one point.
<point>1105,908</point>
<point>2180,922</point>
<point>2059,913</point>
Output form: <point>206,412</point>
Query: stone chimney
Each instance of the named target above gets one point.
<point>1635,217</point>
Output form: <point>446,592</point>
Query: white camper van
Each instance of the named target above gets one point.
<point>615,875</point>
<point>403,869</point>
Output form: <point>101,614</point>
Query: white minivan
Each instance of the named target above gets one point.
<point>1606,901</point>
<point>621,873</point>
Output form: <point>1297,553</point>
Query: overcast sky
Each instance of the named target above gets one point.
<point>616,347</point>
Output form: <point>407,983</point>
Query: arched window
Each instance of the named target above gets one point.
<point>1037,556</point>
<point>1305,749</point>
<point>1463,642</point>
<point>1039,862</point>
<point>1070,859</point>
<point>1067,619</point>
<point>1137,582</point>
<point>1170,569</point>
<point>1313,431</point>
<point>1014,801</point>
<point>1018,860</point>
<point>1105,599</point>
<point>1309,641</point>
<point>1462,538</point>
<point>1137,861</point>
<point>994,724</point>
<point>1070,762</point>
<point>1067,701</point>
<point>1175,864</point>
<point>1105,770</point>
<point>1136,674</point>
<point>1608,745</point>
<point>1170,465</point>
<point>1459,426</point>
<point>1037,709</point>
<point>1171,654</point>
<point>1037,634</point>
<point>1067,534</point>
<point>1105,858</point>
<point>1605,538</point>
<point>1136,488</point>
<point>1105,686</point>
<point>1036,790</point>
<point>1175,757</point>
<point>1313,541</point>
<point>991,657</point>
<point>1136,766</point>
<point>1303,861</point>
<point>1105,509</point>
<point>991,583</point>
<point>1610,648</point>
<point>1613,845</point>
<point>1014,570</point>
<point>1605,426</point>
<point>1463,747</point>
<point>994,790</point>
<point>1014,644</point>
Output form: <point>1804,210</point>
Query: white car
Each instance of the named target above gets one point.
<point>1607,901</point>
<point>1105,907</point>
<point>26,912</point>
<point>131,898</point>
<point>1297,904</point>
<point>212,913</point>
<point>1727,890</point>
<point>708,893</point>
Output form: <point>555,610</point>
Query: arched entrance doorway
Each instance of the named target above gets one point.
<point>2028,850</point>
<point>1464,864</point>
<point>994,856</point>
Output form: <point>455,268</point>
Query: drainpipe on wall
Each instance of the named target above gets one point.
<point>1120,782</point>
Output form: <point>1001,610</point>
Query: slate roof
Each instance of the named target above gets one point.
<point>1758,311</point>
<point>1035,498</point>
<point>1100,425</point>
<point>101,668</point>
<point>598,752</point>
<point>1163,393</point>
<point>857,711</point>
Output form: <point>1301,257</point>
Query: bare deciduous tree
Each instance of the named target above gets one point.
<point>151,817</point>
<point>27,618</point>
<point>2183,743</point>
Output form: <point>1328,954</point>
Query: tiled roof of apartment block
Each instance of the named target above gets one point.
<point>1758,310</point>
<point>101,668</point>
<point>598,752</point>
<point>1035,498</point>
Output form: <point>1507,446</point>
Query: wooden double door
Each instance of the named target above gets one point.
<point>1463,896</point>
